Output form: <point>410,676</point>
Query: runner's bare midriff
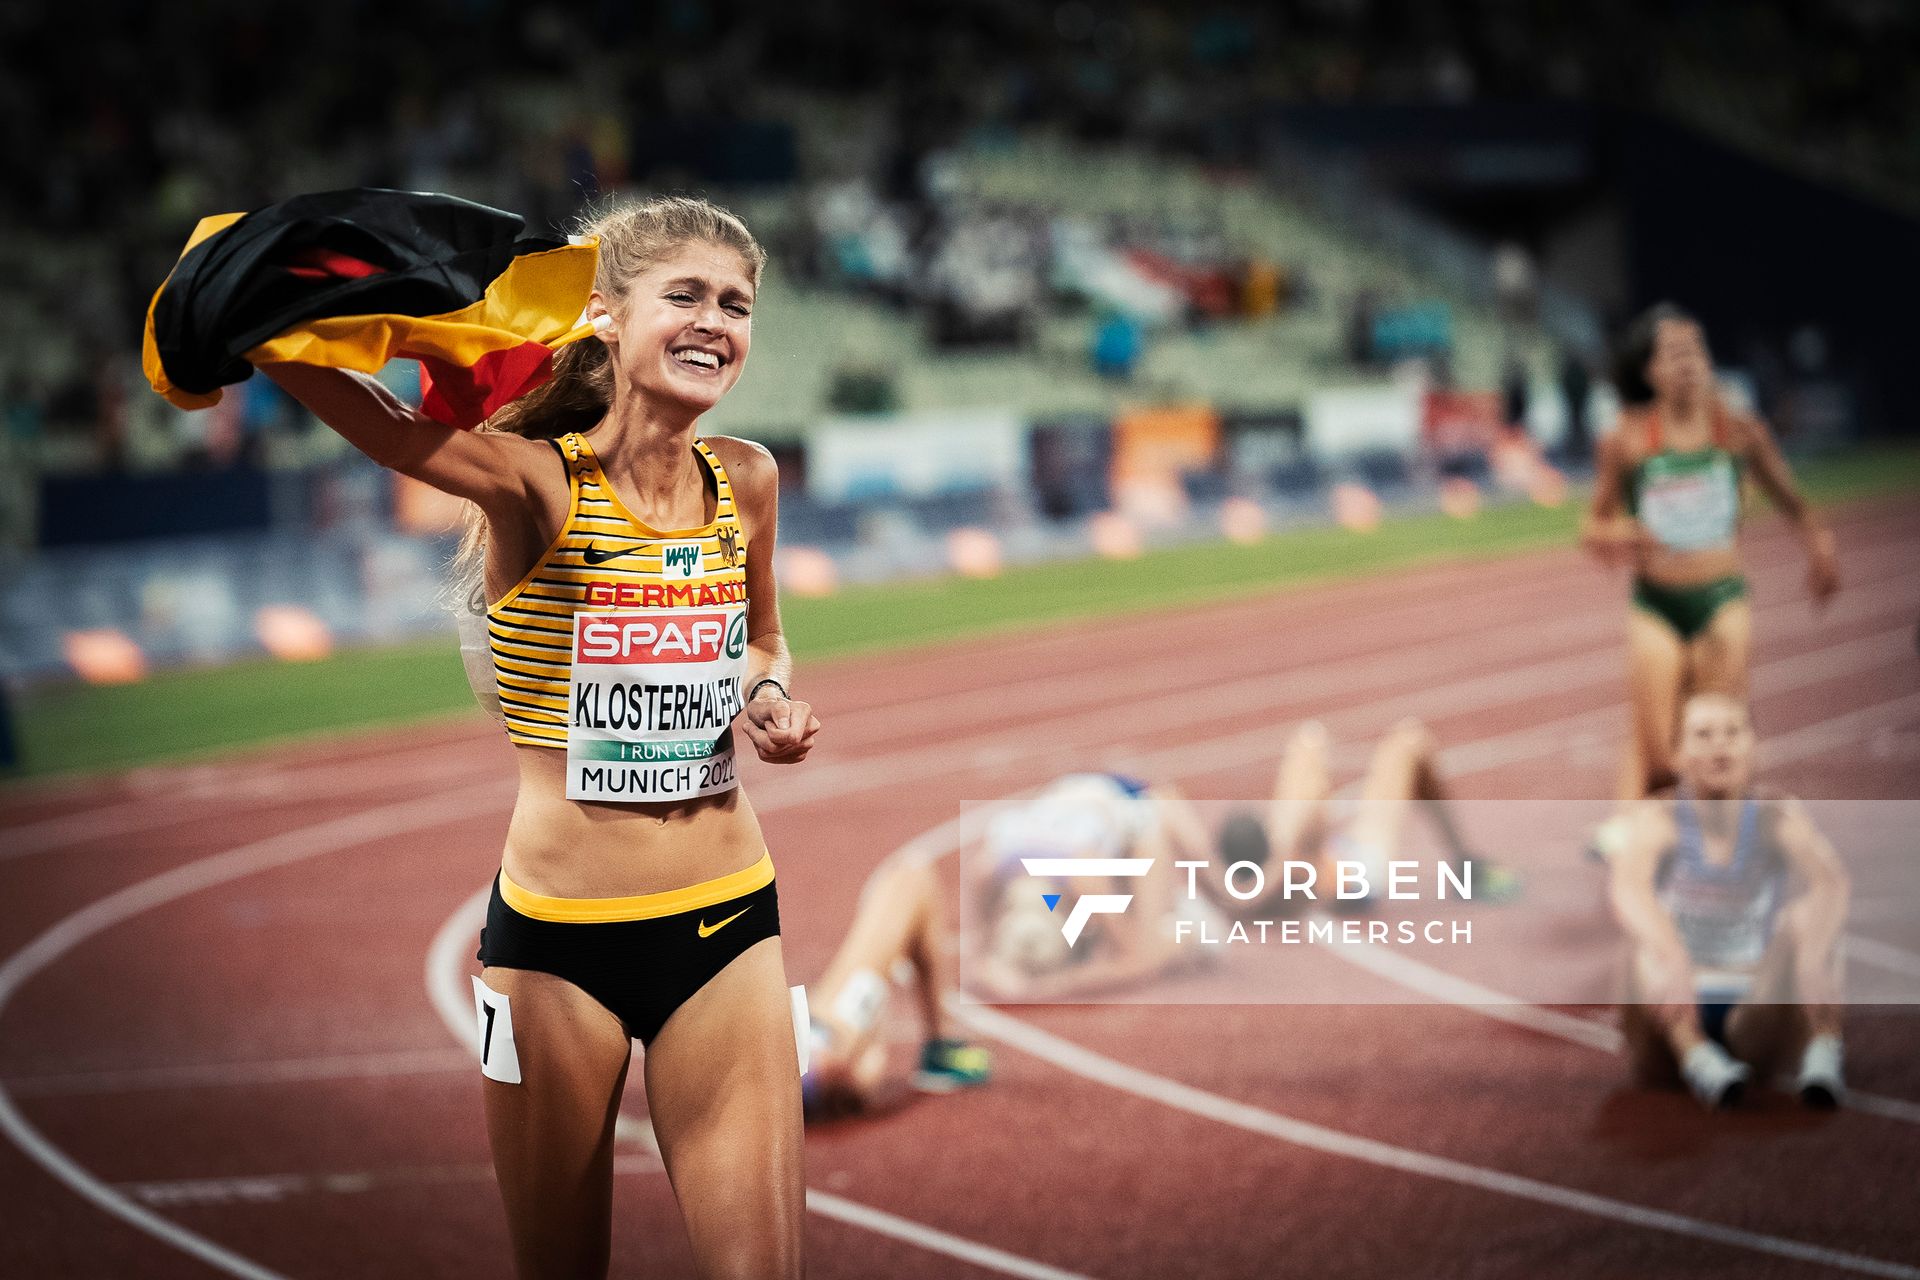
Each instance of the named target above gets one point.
<point>1666,568</point>
<point>579,849</point>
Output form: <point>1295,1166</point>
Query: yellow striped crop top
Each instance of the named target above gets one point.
<point>607,561</point>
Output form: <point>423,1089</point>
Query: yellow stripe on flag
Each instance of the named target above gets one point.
<point>150,364</point>
<point>539,297</point>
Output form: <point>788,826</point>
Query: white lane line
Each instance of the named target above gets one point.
<point>1891,1108</point>
<point>1464,759</point>
<point>272,1188</point>
<point>1089,1065</point>
<point>1452,989</point>
<point>1781,675</point>
<point>1448,988</point>
<point>1809,740</point>
<point>1883,955</point>
<point>30,960</point>
<point>950,835</point>
<point>1840,731</point>
<point>191,1075</point>
<point>144,895</point>
<point>1772,678</point>
<point>1232,699</point>
<point>1035,742</point>
<point>1051,692</point>
<point>984,1256</point>
<point>1873,566</point>
<point>411,767</point>
<point>639,1131</point>
<point>1768,679</point>
<point>447,957</point>
<point>1209,701</point>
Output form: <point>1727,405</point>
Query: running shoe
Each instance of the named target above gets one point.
<point>1716,1077</point>
<point>1820,1085</point>
<point>946,1065</point>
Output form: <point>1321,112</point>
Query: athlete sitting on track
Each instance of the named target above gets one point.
<point>1725,977</point>
<point>1302,823</point>
<point>1081,816</point>
<point>898,926</point>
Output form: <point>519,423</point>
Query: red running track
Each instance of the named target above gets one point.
<point>219,1053</point>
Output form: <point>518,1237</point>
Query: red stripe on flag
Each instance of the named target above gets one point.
<point>316,263</point>
<point>465,396</point>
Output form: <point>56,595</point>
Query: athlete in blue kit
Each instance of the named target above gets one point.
<point>1729,975</point>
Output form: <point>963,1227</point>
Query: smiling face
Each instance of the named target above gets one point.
<point>1715,750</point>
<point>1679,369</point>
<point>682,329</point>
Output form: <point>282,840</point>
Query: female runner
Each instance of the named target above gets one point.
<point>1666,502</point>
<point>635,897</point>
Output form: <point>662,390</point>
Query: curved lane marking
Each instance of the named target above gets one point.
<point>116,908</point>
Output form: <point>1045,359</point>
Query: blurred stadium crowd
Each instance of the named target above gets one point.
<point>1017,226</point>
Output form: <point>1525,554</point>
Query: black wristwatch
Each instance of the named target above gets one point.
<point>762,683</point>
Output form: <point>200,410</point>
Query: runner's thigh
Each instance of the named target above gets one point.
<point>723,1085</point>
<point>552,1134</point>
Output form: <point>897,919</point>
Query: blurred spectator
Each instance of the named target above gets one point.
<point>1361,316</point>
<point>225,105</point>
<point>1117,346</point>
<point>1514,393</point>
<point>25,413</point>
<point>1576,389</point>
<point>9,753</point>
<point>1514,283</point>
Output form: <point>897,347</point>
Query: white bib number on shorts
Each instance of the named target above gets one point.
<point>499,1059</point>
<point>651,703</point>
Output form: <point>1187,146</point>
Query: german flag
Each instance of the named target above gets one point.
<point>353,279</point>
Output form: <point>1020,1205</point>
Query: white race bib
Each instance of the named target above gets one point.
<point>1692,509</point>
<point>651,703</point>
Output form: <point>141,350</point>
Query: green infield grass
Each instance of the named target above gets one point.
<point>173,715</point>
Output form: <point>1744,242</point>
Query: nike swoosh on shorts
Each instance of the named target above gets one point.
<point>707,930</point>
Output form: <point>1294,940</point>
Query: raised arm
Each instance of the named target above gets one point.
<point>1775,478</point>
<point>492,469</point>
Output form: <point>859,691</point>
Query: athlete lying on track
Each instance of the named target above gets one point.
<point>898,927</point>
<point>1104,816</point>
<point>1304,823</point>
<point>1084,816</point>
<point>1727,978</point>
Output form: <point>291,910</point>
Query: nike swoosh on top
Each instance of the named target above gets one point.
<point>594,555</point>
<point>707,930</point>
